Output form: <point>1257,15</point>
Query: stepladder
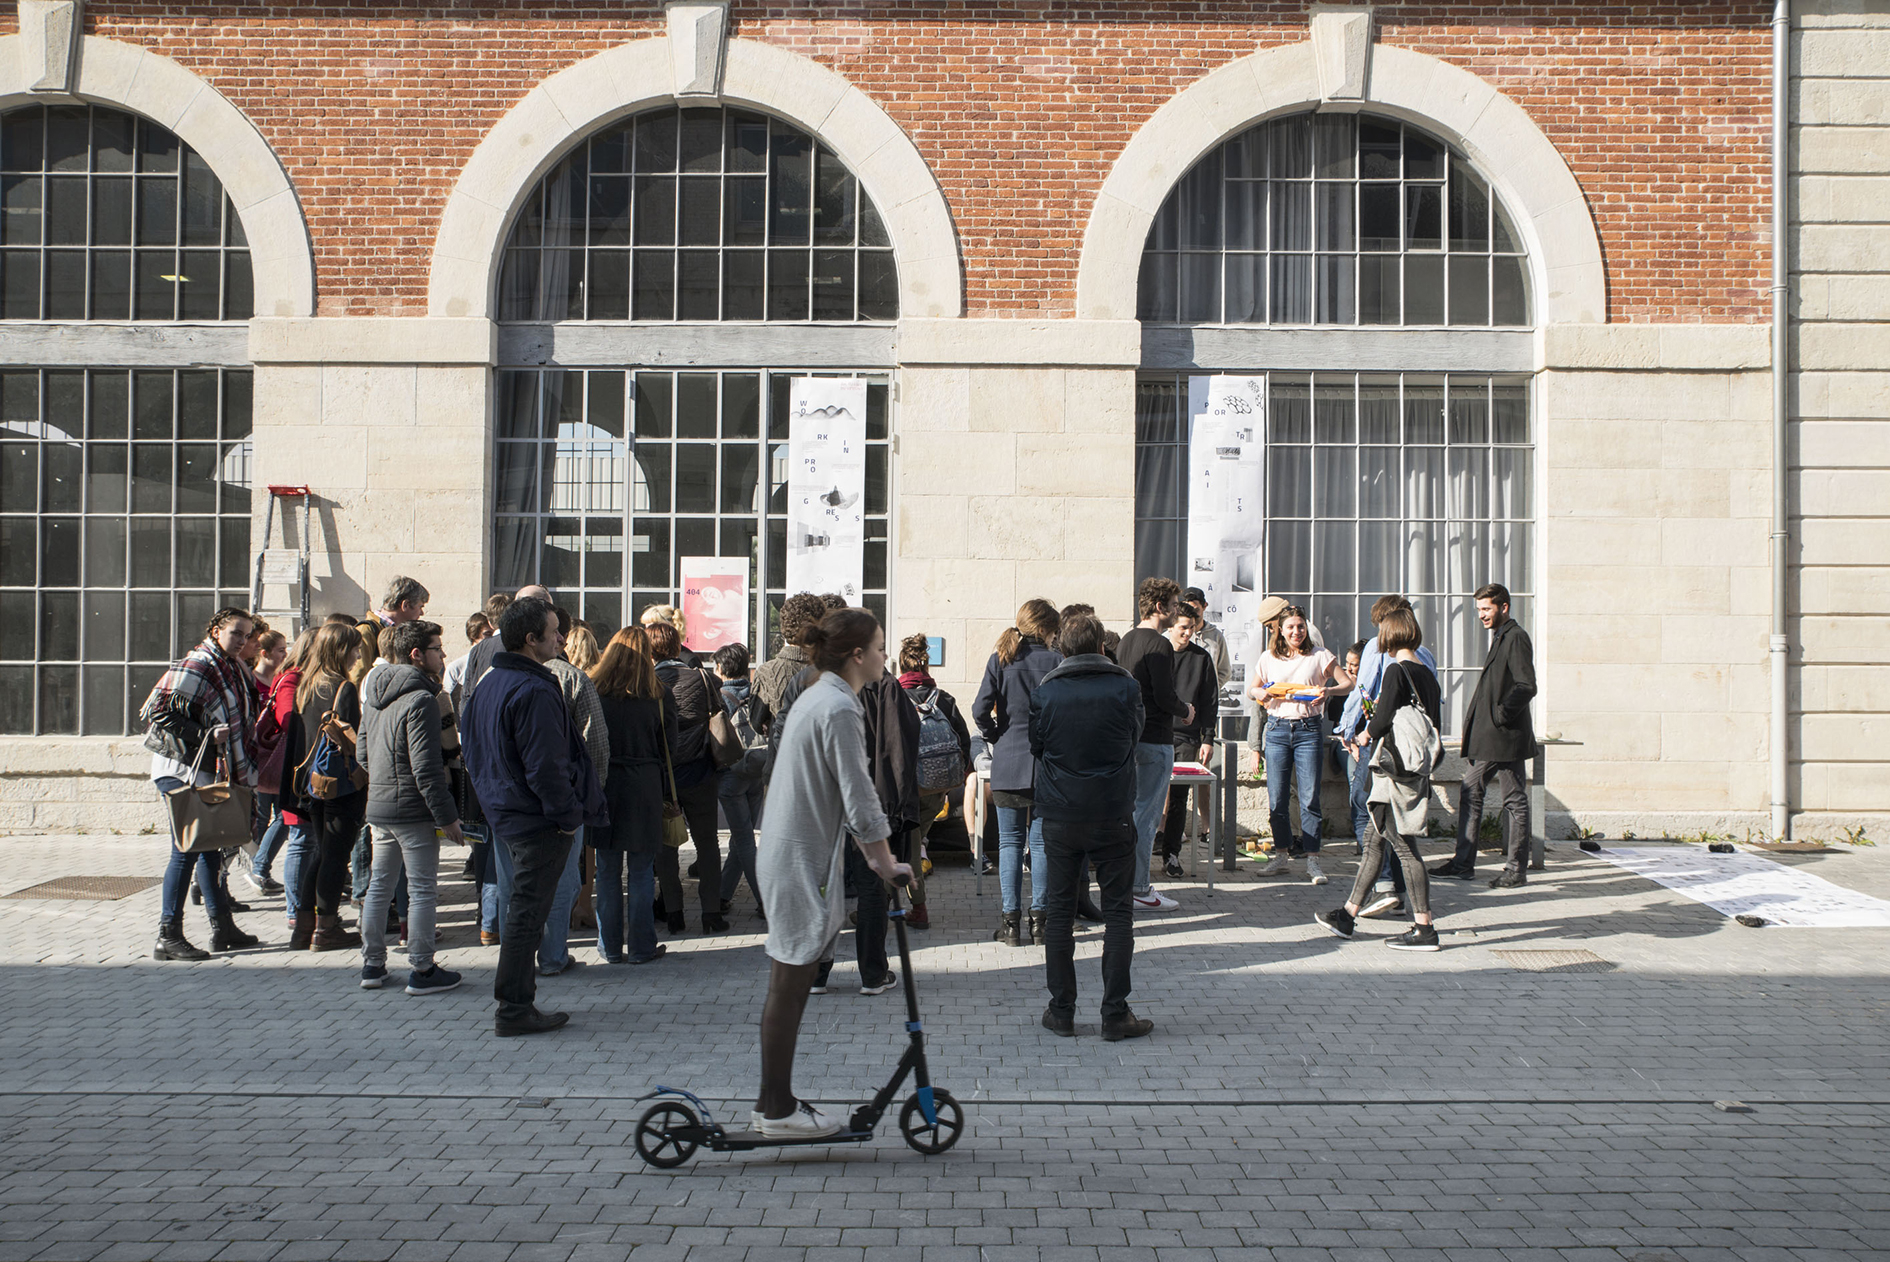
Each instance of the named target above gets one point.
<point>285,566</point>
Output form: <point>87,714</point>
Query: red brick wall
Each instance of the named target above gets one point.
<point>1662,112</point>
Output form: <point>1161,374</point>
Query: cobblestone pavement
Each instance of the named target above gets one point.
<point>1302,1097</point>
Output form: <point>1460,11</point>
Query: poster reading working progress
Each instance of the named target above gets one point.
<point>714,602</point>
<point>826,484</point>
<point>1227,512</point>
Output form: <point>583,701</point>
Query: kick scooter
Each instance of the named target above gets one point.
<point>670,1131</point>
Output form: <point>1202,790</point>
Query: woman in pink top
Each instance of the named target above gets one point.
<point>1294,740</point>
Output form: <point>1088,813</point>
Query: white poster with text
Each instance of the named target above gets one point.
<point>826,484</point>
<point>1227,513</point>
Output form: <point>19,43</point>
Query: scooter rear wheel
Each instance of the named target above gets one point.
<point>657,1140</point>
<point>921,1135</point>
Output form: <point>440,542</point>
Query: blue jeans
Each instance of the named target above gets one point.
<point>271,842</point>
<point>177,871</point>
<point>1013,823</point>
<point>298,851</point>
<point>625,922</point>
<point>1154,768</point>
<point>741,806</point>
<point>1296,746</point>
<point>553,943</point>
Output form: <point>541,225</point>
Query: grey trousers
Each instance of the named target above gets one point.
<point>416,847</point>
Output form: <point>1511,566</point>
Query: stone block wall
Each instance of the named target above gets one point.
<point>1840,450</point>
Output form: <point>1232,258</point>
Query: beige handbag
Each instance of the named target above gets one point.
<point>209,817</point>
<point>675,827</point>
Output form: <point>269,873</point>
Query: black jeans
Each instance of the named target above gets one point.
<point>1110,846</point>
<point>869,930</point>
<point>537,864</point>
<point>337,824</point>
<point>1513,779</point>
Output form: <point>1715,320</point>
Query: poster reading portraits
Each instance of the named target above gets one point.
<point>1227,512</point>
<point>714,602</point>
<point>826,485</point>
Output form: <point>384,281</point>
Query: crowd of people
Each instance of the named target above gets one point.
<point>555,755</point>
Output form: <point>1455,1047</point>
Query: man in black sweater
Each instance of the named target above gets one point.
<point>1085,722</point>
<point>1498,739</point>
<point>1147,655</point>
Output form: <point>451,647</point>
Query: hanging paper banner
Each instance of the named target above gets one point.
<point>826,527</point>
<point>714,602</point>
<point>1227,513</point>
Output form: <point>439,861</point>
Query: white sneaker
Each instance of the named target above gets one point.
<point>754,1120</point>
<point>1313,874</point>
<point>1273,867</point>
<point>805,1122</point>
<point>1382,905</point>
<point>1154,900</point>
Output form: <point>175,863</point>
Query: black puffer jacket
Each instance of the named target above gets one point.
<point>1085,721</point>
<point>400,747</point>
<point>693,701</point>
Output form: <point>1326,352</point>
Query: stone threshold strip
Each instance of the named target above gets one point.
<point>1752,1100</point>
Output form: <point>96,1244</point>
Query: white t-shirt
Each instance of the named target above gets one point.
<point>1307,668</point>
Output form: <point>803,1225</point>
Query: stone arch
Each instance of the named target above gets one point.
<point>145,83</point>
<point>1522,164</point>
<point>636,76</point>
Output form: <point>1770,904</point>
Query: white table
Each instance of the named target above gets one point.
<point>1204,778</point>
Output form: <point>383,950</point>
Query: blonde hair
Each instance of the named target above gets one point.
<point>328,660</point>
<point>664,613</point>
<point>1036,620</point>
<point>580,648</point>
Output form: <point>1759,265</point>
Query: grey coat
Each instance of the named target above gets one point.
<point>400,747</point>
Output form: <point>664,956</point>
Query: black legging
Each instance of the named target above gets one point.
<point>699,805</point>
<point>1416,880</point>
<point>336,825</point>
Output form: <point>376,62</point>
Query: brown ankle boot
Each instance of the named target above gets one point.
<point>303,930</point>
<point>330,935</point>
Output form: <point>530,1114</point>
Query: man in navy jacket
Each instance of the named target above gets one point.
<point>1085,719</point>
<point>535,781</point>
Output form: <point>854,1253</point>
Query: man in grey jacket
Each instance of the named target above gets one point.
<point>410,804</point>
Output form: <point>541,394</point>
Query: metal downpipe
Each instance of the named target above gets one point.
<point>1779,746</point>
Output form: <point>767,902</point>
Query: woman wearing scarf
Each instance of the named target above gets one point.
<point>210,695</point>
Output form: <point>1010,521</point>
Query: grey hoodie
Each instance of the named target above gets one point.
<point>400,747</point>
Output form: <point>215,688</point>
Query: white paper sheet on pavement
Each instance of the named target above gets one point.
<point>1747,884</point>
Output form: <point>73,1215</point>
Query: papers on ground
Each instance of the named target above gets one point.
<point>1749,884</point>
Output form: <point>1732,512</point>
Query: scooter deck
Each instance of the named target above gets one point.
<point>742,1141</point>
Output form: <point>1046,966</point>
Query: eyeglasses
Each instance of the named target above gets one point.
<point>1294,611</point>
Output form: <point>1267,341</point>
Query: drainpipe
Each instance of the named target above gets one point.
<point>1781,293</point>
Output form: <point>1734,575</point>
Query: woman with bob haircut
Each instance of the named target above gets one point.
<point>1002,713</point>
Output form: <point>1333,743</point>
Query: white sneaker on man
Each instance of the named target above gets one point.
<point>1273,867</point>
<point>1313,875</point>
<point>1154,900</point>
<point>805,1122</point>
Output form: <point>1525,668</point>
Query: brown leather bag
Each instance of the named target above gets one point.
<point>209,817</point>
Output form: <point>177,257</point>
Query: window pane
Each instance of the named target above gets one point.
<point>1509,295</point>
<point>655,297</point>
<point>1333,565</point>
<point>1379,149</point>
<point>1379,571</point>
<point>62,480</point>
<point>609,293</point>
<point>656,147</point>
<point>1246,295</point>
<point>654,391</point>
<point>196,551</point>
<point>1424,482</point>
<point>1469,209</point>
<point>1292,217</point>
<point>65,285</point>
<point>1290,145</point>
<point>834,193</point>
<point>1158,548</point>
<point>104,699</point>
<point>19,477</point>
<point>1423,412</point>
<point>1292,288</point>
<point>649,553</point>
<point>151,552</point>
<point>1289,557</point>
<point>791,164</point>
<point>699,285</point>
<point>1289,482</point>
<point>105,551</point>
<point>696,409</point>
<point>1199,223</point>
<point>233,569</point>
<point>514,552</point>
<point>879,286</point>
<point>742,285</point>
<point>1469,411</point>
<point>1378,482</point>
<point>1469,289</point>
<point>787,284</point>
<point>196,478</point>
<point>1469,482</point>
<point>150,626</point>
<point>1200,288</point>
<point>1424,289</point>
<point>1158,287</point>
<point>1335,139</point>
<point>59,627</point>
<point>1510,412</point>
<point>1514,472</point>
<point>695,478</point>
<point>59,699</point>
<point>1336,484</point>
<point>515,477</point>
<point>1337,284</point>
<point>19,284</point>
<point>1246,214</point>
<point>1158,478</point>
<point>105,480</point>
<point>833,284</point>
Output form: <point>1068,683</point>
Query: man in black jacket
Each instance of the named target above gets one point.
<point>1086,718</point>
<point>535,779</point>
<point>1498,739</point>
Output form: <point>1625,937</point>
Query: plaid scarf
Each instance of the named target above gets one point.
<point>206,689</point>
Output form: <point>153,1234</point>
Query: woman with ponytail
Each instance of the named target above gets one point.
<point>1002,713</point>
<point>821,793</point>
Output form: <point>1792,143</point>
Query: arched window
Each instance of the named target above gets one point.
<point>622,447</point>
<point>699,214</point>
<point>1299,255</point>
<point>124,484</point>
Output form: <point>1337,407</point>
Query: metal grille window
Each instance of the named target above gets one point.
<point>1375,483</point>
<point>124,523</point>
<point>699,214</point>
<point>606,478</point>
<point>1335,219</point>
<point>106,216</point>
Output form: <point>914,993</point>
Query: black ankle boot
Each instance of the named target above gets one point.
<point>1509,879</point>
<point>1036,928</point>
<point>171,943</point>
<point>1007,930</point>
<point>225,936</point>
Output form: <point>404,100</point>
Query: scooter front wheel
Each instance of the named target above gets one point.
<point>658,1141</point>
<point>927,1137</point>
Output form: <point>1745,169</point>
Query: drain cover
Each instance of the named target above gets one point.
<point>1556,961</point>
<point>99,888</point>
